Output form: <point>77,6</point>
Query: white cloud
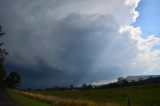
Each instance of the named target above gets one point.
<point>147,59</point>
<point>103,82</point>
<point>133,5</point>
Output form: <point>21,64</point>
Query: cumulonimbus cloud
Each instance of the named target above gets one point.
<point>71,42</point>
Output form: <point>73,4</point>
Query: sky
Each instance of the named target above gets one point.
<point>64,42</point>
<point>149,17</point>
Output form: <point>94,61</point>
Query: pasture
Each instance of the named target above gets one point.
<point>137,96</point>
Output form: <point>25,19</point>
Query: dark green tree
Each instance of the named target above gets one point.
<point>3,54</point>
<point>84,85</point>
<point>120,79</point>
<point>2,72</point>
<point>71,87</point>
<point>13,80</point>
<point>2,76</point>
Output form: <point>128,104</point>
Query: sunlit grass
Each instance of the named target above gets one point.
<point>139,95</point>
<point>25,101</point>
<point>57,101</point>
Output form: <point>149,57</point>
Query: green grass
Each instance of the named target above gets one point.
<point>24,100</point>
<point>139,96</point>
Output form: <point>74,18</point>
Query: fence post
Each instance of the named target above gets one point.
<point>97,99</point>
<point>129,102</point>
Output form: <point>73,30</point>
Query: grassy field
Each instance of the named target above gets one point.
<point>139,96</point>
<point>24,100</point>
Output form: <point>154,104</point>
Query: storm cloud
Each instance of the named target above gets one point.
<point>63,42</point>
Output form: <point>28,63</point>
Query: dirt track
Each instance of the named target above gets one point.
<point>5,100</point>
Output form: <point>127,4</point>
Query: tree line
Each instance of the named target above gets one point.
<point>121,82</point>
<point>11,80</point>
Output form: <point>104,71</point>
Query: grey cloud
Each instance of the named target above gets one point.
<point>71,50</point>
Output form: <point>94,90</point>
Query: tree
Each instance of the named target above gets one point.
<point>2,72</point>
<point>140,79</point>
<point>84,86</point>
<point>71,87</point>
<point>13,80</point>
<point>3,54</point>
<point>120,79</point>
<point>2,76</point>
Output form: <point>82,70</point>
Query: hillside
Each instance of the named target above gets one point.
<point>137,78</point>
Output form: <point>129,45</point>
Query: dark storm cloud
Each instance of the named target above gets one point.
<point>49,49</point>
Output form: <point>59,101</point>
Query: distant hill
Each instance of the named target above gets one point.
<point>133,81</point>
<point>142,77</point>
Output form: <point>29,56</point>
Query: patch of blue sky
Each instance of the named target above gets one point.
<point>149,18</point>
